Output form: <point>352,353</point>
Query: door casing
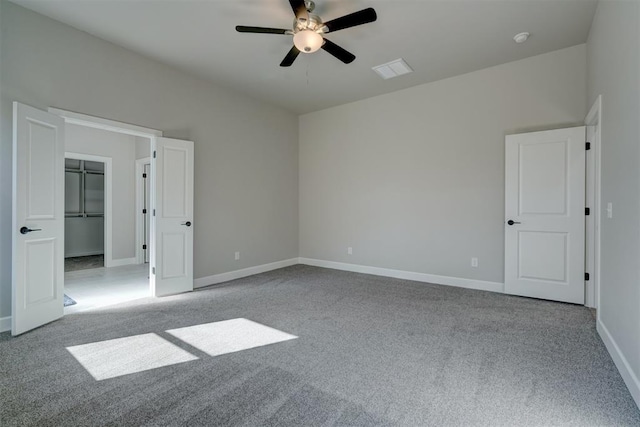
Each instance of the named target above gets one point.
<point>108,198</point>
<point>140,217</point>
<point>593,185</point>
<point>111,126</point>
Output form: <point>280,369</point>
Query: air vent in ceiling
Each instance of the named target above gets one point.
<point>392,69</point>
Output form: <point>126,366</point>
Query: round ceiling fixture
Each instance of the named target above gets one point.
<point>307,41</point>
<point>521,37</point>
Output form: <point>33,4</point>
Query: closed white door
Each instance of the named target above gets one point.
<point>38,218</point>
<point>172,217</point>
<point>545,215</point>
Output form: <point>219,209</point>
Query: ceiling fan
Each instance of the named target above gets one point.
<point>308,31</point>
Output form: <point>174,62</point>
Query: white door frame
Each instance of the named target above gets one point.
<point>593,223</point>
<point>139,206</point>
<point>108,125</point>
<point>108,200</point>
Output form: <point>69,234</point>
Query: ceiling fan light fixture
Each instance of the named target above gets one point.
<point>308,31</point>
<point>307,41</point>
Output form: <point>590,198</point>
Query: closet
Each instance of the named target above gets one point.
<point>84,208</point>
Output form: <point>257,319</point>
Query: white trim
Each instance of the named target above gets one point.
<point>408,275</point>
<point>5,324</point>
<point>114,126</point>
<point>589,220</point>
<point>139,204</point>
<point>629,377</point>
<point>89,253</point>
<point>594,118</point>
<point>108,200</point>
<point>152,223</point>
<point>245,272</point>
<point>123,261</point>
<point>104,124</point>
<point>376,271</point>
<point>595,113</point>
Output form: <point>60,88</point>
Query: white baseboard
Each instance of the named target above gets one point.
<point>245,272</point>
<point>408,275</point>
<point>90,253</point>
<point>121,262</point>
<point>630,378</point>
<point>5,324</point>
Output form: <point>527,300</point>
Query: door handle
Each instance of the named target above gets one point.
<point>25,230</point>
<point>511,222</point>
<point>188,223</point>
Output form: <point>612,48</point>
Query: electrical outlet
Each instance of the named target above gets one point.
<point>350,250</point>
<point>609,210</point>
<point>474,262</point>
<point>237,256</point>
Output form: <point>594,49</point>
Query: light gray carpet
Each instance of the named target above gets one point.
<point>68,301</point>
<point>83,262</point>
<point>370,351</point>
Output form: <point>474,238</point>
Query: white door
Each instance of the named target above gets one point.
<point>545,214</point>
<point>38,218</point>
<point>172,223</point>
<point>147,210</point>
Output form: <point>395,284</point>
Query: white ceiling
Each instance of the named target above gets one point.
<point>438,38</point>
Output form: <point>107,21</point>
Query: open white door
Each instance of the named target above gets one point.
<point>38,218</point>
<point>172,222</point>
<point>545,215</point>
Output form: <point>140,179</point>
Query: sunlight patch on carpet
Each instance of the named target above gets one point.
<point>123,356</point>
<point>229,336</point>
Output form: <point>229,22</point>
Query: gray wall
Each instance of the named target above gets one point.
<point>414,180</point>
<point>246,152</point>
<point>613,52</point>
<point>83,236</point>
<point>122,151</point>
<point>143,147</point>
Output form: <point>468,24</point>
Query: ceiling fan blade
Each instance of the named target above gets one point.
<point>291,56</point>
<point>335,50</point>
<point>353,19</point>
<point>261,30</point>
<point>300,10</point>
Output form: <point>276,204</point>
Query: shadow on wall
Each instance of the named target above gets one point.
<point>529,129</point>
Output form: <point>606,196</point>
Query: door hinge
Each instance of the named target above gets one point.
<point>587,211</point>
<point>154,154</point>
<point>144,175</point>
<point>588,146</point>
<point>153,270</point>
<point>144,211</point>
<point>144,246</point>
<point>586,276</point>
<point>154,212</point>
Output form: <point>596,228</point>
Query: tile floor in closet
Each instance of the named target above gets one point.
<point>100,287</point>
